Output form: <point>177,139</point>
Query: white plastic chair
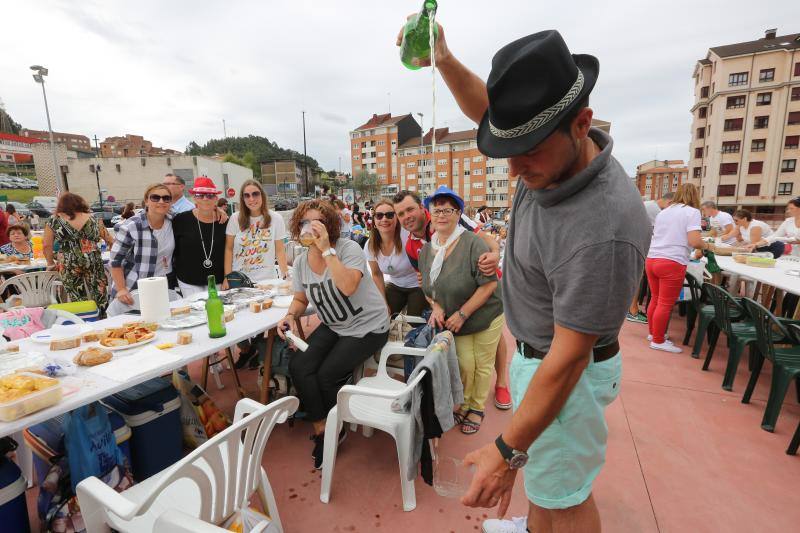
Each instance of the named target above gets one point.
<point>37,289</point>
<point>210,484</point>
<point>175,521</point>
<point>369,402</point>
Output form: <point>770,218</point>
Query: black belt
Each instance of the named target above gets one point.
<point>599,353</point>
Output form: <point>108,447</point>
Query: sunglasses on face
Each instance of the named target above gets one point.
<point>254,194</point>
<point>389,215</point>
<point>205,196</point>
<point>155,198</point>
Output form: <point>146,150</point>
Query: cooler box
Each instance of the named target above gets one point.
<point>46,440</point>
<point>85,309</point>
<point>13,507</point>
<point>152,411</point>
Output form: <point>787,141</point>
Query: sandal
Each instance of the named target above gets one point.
<point>469,427</point>
<point>459,417</point>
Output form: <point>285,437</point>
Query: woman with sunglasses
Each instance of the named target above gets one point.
<point>142,248</point>
<point>385,251</point>
<point>332,275</point>
<point>254,237</point>
<point>464,301</point>
<point>199,240</point>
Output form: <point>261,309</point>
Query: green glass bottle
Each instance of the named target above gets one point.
<point>415,47</point>
<point>215,311</point>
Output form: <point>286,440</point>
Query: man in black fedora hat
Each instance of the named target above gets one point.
<point>577,241</point>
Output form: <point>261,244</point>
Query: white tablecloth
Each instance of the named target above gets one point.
<point>776,277</point>
<point>85,387</point>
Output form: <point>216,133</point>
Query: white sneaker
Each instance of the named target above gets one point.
<point>666,338</point>
<point>665,346</point>
<point>518,524</point>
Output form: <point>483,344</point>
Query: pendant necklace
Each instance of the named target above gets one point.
<point>207,263</point>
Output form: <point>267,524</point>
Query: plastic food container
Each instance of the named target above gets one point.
<point>33,401</point>
<point>763,262</point>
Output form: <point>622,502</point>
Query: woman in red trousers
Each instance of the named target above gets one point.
<point>675,233</point>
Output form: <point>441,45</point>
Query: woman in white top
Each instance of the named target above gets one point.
<point>254,237</point>
<point>752,232</point>
<point>385,251</point>
<point>675,233</point>
<point>789,230</point>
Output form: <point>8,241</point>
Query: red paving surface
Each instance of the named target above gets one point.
<point>683,456</point>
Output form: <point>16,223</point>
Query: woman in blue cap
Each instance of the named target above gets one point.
<point>463,300</point>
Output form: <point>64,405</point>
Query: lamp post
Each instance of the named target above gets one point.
<point>97,171</point>
<point>420,179</point>
<point>38,77</point>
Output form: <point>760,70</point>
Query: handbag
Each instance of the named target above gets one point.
<point>238,280</point>
<point>90,443</point>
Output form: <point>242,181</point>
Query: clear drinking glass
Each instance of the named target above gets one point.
<point>306,235</point>
<point>451,476</point>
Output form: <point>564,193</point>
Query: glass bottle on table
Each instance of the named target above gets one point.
<point>215,311</point>
<point>415,47</point>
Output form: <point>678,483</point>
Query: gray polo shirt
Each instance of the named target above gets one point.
<point>575,254</point>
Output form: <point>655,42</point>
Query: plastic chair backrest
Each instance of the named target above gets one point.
<point>769,329</point>
<point>35,288</point>
<point>723,303</point>
<point>696,291</point>
<point>236,452</point>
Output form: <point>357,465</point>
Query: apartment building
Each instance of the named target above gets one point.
<point>374,147</point>
<point>656,178</point>
<point>746,123</point>
<point>132,146</point>
<point>72,141</point>
<point>282,176</point>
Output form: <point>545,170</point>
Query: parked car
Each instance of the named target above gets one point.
<point>21,208</point>
<point>39,209</point>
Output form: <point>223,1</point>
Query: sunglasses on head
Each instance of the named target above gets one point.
<point>205,196</point>
<point>389,215</point>
<point>254,194</point>
<point>155,198</point>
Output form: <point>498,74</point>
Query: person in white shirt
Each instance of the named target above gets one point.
<point>653,208</point>
<point>789,230</point>
<point>750,233</point>
<point>346,218</point>
<point>386,254</point>
<point>676,232</point>
<point>721,222</point>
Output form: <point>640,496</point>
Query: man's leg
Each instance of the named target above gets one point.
<point>583,518</point>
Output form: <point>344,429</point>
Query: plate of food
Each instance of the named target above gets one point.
<point>128,336</point>
<point>57,333</point>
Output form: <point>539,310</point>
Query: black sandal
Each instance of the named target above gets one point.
<point>470,427</point>
<point>459,417</point>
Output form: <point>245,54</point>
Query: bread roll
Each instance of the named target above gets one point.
<point>92,356</point>
<point>184,337</point>
<point>65,344</point>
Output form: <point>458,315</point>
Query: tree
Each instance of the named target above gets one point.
<point>249,160</point>
<point>7,124</point>
<point>261,148</point>
<point>366,183</point>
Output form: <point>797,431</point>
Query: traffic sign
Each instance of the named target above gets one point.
<point>231,192</point>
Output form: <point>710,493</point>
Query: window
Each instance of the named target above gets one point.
<point>381,143</point>
<point>169,161</point>
<point>758,145</point>
<point>698,152</point>
<point>755,167</point>
<point>702,112</point>
<point>788,165</point>
<point>91,169</point>
<point>737,78</point>
<point>731,147</point>
<point>735,102</point>
<point>763,98</point>
<point>733,124</point>
<point>728,169</point>
<point>704,92</point>
<point>761,122</point>
<point>119,167</point>
<point>356,158</point>
<point>767,74</point>
<point>701,133</point>
<point>797,69</point>
<point>796,92</point>
<point>752,189</point>
<point>696,172</point>
<point>785,189</point>
<point>794,118</point>
<point>726,190</point>
<point>792,142</point>
<point>477,184</point>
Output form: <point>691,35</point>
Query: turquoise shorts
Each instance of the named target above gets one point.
<point>568,455</point>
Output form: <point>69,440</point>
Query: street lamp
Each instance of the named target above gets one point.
<point>420,179</point>
<point>38,77</point>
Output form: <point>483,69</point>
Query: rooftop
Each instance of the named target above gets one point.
<point>382,120</point>
<point>771,42</point>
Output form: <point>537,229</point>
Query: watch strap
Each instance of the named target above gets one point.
<point>505,450</point>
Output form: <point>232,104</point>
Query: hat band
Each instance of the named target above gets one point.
<point>544,117</point>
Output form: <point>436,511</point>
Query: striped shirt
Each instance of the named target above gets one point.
<point>135,250</point>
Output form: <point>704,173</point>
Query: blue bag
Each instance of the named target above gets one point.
<point>90,443</point>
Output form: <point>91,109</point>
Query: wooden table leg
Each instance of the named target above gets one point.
<point>778,302</point>
<point>263,396</point>
<point>239,388</point>
<point>204,373</point>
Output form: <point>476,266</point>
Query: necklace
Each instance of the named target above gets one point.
<point>207,263</point>
<point>389,268</point>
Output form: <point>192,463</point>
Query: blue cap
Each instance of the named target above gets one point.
<point>444,191</point>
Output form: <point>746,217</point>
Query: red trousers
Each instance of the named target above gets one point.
<point>666,280</point>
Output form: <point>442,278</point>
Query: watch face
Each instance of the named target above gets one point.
<point>518,461</point>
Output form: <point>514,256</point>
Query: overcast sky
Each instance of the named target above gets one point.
<point>172,70</point>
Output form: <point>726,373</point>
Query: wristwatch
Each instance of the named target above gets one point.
<point>515,458</point>
<point>329,251</point>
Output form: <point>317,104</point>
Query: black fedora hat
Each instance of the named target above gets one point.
<point>534,82</point>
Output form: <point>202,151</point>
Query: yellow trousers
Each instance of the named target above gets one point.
<point>476,353</point>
